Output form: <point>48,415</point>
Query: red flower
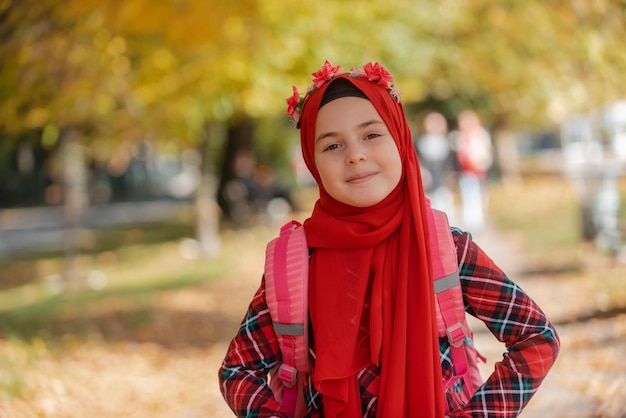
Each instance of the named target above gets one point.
<point>373,72</point>
<point>293,101</point>
<point>378,73</point>
<point>325,73</point>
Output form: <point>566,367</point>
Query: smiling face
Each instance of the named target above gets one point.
<point>356,157</point>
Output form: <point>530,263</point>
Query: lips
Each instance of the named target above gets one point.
<point>361,177</point>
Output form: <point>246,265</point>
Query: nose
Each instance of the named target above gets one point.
<point>355,154</point>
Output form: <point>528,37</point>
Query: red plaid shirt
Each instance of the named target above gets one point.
<point>511,316</point>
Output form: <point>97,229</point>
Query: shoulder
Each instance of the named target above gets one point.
<point>459,234</point>
<point>462,243</point>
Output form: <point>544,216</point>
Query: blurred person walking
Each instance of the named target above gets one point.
<point>434,153</point>
<point>474,153</point>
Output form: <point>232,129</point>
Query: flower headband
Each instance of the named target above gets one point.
<point>373,72</point>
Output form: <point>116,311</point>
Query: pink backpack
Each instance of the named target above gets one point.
<point>286,275</point>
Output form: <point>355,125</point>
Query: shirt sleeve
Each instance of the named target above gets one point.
<point>252,353</point>
<point>531,341</point>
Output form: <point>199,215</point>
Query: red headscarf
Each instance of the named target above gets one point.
<point>371,289</point>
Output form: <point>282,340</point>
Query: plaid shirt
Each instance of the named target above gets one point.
<point>511,316</point>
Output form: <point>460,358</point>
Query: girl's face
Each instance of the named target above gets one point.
<point>355,155</point>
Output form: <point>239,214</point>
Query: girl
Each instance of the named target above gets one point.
<point>373,337</point>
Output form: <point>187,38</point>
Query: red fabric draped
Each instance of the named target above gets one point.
<point>371,289</point>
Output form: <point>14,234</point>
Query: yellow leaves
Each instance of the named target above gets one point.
<point>78,55</point>
<point>236,69</point>
<point>234,29</point>
<point>90,57</point>
<point>103,104</point>
<point>117,46</point>
<point>101,38</point>
<point>163,59</point>
<point>120,66</point>
<point>36,117</point>
<point>49,136</point>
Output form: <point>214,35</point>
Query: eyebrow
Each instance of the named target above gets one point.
<point>360,126</point>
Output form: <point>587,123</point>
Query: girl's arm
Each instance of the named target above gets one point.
<point>252,353</point>
<point>515,319</point>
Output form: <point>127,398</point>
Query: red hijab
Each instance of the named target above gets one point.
<point>371,289</point>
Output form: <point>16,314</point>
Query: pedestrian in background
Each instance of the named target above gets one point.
<point>474,153</point>
<point>434,153</point>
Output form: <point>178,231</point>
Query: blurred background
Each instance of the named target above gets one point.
<point>146,159</point>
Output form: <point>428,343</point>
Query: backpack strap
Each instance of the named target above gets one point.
<point>286,285</point>
<point>451,321</point>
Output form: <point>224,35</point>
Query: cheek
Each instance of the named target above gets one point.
<point>395,163</point>
<point>322,168</point>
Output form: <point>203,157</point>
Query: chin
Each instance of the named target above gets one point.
<point>365,203</point>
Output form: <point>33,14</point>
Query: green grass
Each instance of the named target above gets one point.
<point>545,213</point>
<point>49,311</point>
<point>26,267</point>
<point>137,275</point>
<point>12,383</point>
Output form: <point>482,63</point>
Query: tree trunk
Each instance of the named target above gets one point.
<point>207,210</point>
<point>75,202</point>
<point>236,172</point>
